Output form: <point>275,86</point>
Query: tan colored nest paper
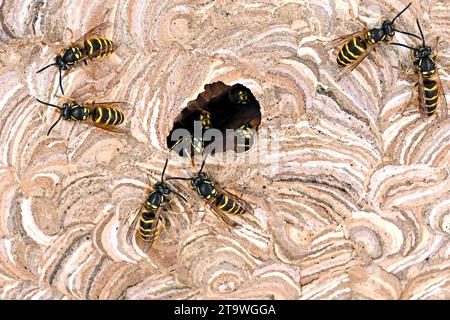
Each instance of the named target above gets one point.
<point>351,201</point>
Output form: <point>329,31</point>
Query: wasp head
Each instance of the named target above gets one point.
<point>65,110</point>
<point>162,189</point>
<point>388,28</point>
<point>60,63</point>
<point>199,179</point>
<point>422,52</point>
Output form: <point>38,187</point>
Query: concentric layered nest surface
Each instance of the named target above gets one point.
<point>351,198</point>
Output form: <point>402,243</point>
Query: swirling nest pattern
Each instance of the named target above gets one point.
<point>357,207</point>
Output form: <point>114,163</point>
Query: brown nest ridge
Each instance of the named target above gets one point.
<point>232,111</point>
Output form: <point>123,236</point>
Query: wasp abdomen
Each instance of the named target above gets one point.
<point>245,137</point>
<point>351,51</point>
<point>205,118</point>
<point>108,116</point>
<point>229,205</point>
<point>145,225</point>
<point>91,46</point>
<point>431,95</point>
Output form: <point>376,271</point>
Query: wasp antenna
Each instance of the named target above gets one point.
<point>402,45</point>
<point>398,15</point>
<point>179,194</point>
<point>48,66</point>
<point>421,32</point>
<point>164,170</point>
<point>49,104</point>
<point>60,81</point>
<point>408,33</point>
<point>51,128</point>
<point>203,164</point>
<point>177,178</point>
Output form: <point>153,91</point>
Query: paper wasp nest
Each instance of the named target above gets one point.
<point>351,197</point>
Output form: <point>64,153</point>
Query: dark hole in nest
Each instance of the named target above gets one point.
<point>222,118</point>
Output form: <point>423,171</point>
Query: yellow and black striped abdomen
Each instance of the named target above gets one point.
<point>244,138</point>
<point>431,95</point>
<point>108,116</point>
<point>145,225</point>
<point>229,205</point>
<point>205,118</point>
<point>351,51</point>
<point>98,47</point>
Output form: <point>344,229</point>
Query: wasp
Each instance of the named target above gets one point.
<point>245,136</point>
<point>195,141</point>
<point>88,47</point>
<point>358,45</point>
<point>221,202</point>
<point>105,115</point>
<point>198,144</point>
<point>231,107</point>
<point>239,94</point>
<point>430,87</point>
<point>149,213</point>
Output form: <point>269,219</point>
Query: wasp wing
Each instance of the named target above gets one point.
<point>94,32</point>
<point>244,204</point>
<point>223,216</point>
<point>65,98</point>
<point>119,105</point>
<point>422,101</point>
<point>132,229</point>
<point>114,105</point>
<point>442,99</point>
<point>108,128</point>
<point>153,231</point>
<point>338,42</point>
<point>349,68</point>
<point>99,52</point>
<point>106,46</point>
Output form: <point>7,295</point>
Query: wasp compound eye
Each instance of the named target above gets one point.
<point>203,126</point>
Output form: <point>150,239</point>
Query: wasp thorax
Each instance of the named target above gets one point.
<point>154,199</point>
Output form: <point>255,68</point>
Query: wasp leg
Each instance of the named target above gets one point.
<point>363,26</point>
<point>149,182</point>
<point>71,33</point>
<point>175,267</point>
<point>436,45</point>
<point>65,98</point>
<point>164,224</point>
<point>409,103</point>
<point>404,74</point>
<point>100,97</point>
<point>202,219</point>
<point>375,58</point>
